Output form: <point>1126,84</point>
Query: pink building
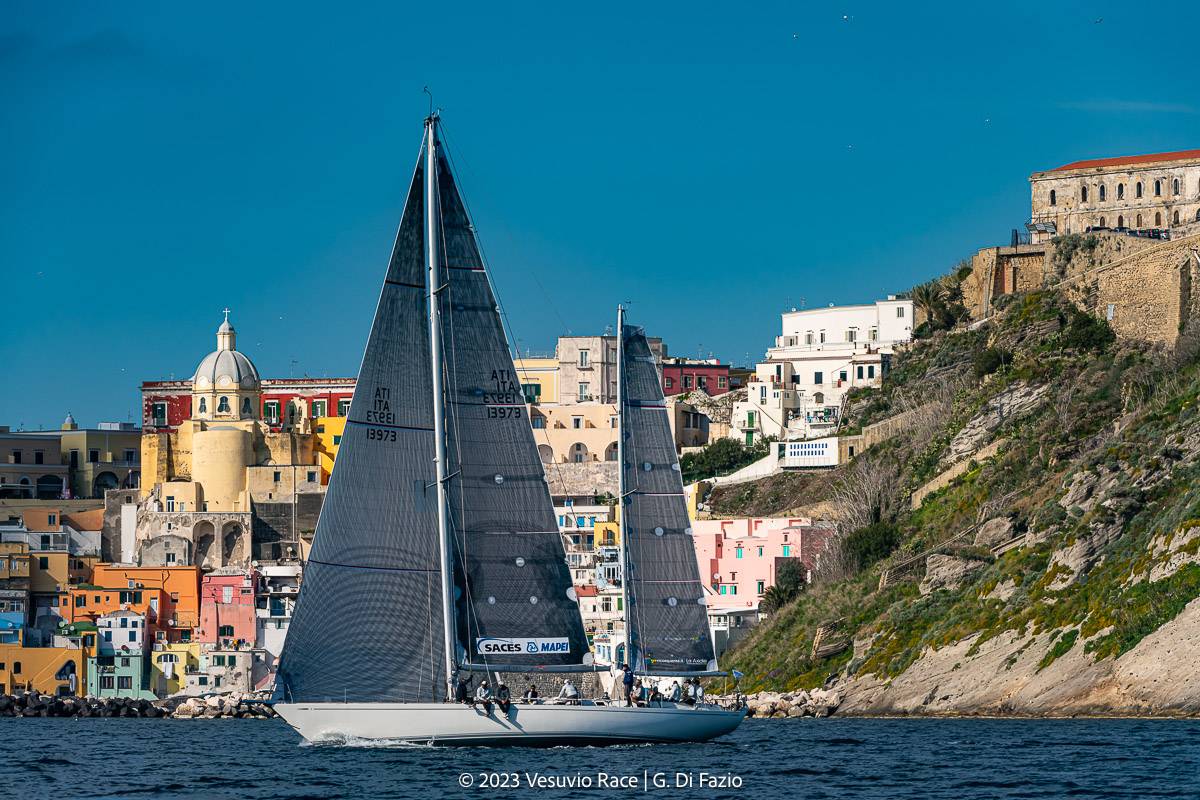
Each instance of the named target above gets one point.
<point>740,558</point>
<point>227,607</point>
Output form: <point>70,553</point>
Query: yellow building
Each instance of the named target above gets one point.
<point>608,534</point>
<point>169,665</point>
<point>49,670</point>
<point>326,441</point>
<point>539,379</point>
<point>576,433</point>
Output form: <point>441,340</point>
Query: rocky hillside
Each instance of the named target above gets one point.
<point>1030,545</point>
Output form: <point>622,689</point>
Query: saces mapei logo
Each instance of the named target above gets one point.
<point>494,646</point>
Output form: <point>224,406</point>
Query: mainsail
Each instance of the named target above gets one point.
<point>368,622</point>
<point>666,618</point>
<point>516,606</point>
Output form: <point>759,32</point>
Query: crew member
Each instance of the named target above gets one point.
<point>627,680</point>
<point>484,695</point>
<point>502,698</point>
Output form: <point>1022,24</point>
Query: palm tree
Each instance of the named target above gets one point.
<point>929,297</point>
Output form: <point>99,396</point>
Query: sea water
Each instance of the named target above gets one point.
<point>803,758</point>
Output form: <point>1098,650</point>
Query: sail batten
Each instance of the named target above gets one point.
<point>667,618</point>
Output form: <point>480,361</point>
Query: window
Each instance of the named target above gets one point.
<point>271,411</point>
<point>760,587</point>
<point>1139,220</point>
<point>223,405</point>
<point>337,439</point>
<point>202,680</point>
<point>532,392</point>
<point>1120,191</point>
<point>1175,219</point>
<point>870,371</point>
<point>133,636</point>
<point>93,456</point>
<point>669,382</point>
<point>1102,193</point>
<point>613,421</point>
<point>818,378</point>
<point>787,550</point>
<point>130,456</point>
<point>1157,219</point>
<point>158,414</point>
<point>124,681</point>
<point>320,408</point>
<point>1053,197</point>
<point>107,636</point>
<point>584,390</point>
<point>539,422</point>
<point>687,381</point>
<point>851,335</point>
<point>225,630</point>
<point>1083,194</point>
<point>1102,225</point>
<point>106,682</point>
<point>1137,190</point>
<point>43,562</point>
<point>170,502</point>
<point>899,312</point>
<point>52,519</point>
<point>822,337</point>
<point>170,558</point>
<point>74,461</point>
<point>737,553</point>
<point>203,405</point>
<point>343,406</point>
<point>722,382</point>
<point>808,338</point>
<point>39,456</point>
<point>733,589</point>
<point>843,375</point>
<point>576,422</point>
<point>275,476</point>
<point>724,589</point>
<point>583,358</point>
<point>311,476</point>
<point>760,552</point>
<point>246,409</point>
<point>1158,188</point>
<point>1120,220</point>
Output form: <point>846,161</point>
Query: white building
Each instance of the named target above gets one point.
<point>274,603</point>
<point>121,633</point>
<point>822,353</point>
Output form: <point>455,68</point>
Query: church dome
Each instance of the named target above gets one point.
<point>225,367</point>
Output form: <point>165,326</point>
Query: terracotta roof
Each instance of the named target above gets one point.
<point>586,591</point>
<point>1178,155</point>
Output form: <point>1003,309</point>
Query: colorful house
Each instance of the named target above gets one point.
<point>178,611</point>
<point>227,607</point>
<point>740,558</point>
<point>49,670</point>
<point>120,667</point>
<point>170,665</point>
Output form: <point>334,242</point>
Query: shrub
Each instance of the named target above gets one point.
<point>991,359</point>
<point>865,546</point>
<point>1085,332</point>
<point>720,458</point>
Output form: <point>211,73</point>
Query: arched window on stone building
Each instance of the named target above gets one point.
<point>1175,187</point>
<point>1102,193</point>
<point>1120,220</point>
<point>1102,225</point>
<point>1175,218</point>
<point>1120,191</point>
<point>1158,188</point>
<point>1083,194</point>
<point>1139,221</point>
<point>1138,189</point>
<point>1157,219</point>
<point>247,411</point>
<point>223,405</point>
<point>1053,202</point>
<point>203,405</point>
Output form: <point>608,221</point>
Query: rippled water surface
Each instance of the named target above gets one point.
<point>805,758</point>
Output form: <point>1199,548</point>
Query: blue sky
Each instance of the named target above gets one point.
<point>709,164</point>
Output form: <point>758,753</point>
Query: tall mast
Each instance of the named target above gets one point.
<point>433,224</point>
<point>624,549</point>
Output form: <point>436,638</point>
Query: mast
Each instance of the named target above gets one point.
<point>624,549</point>
<point>432,248</point>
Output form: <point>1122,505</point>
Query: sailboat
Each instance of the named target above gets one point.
<point>437,551</point>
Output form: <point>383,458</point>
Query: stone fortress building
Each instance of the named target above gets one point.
<point>228,485</point>
<point>1089,225</point>
<point>1145,192</point>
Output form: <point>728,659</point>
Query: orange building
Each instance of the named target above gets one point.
<point>178,603</point>
<point>50,670</point>
<point>89,602</point>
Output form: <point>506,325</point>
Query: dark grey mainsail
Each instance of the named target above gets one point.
<point>666,618</point>
<point>368,623</point>
<point>516,606</point>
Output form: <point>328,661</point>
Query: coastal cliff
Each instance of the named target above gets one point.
<point>1029,544</point>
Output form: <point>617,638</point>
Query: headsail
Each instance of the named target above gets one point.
<point>666,618</point>
<point>368,624</point>
<point>517,607</point>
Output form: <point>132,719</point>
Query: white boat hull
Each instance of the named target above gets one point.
<point>536,725</point>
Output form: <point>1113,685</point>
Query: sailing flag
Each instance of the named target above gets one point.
<point>737,676</point>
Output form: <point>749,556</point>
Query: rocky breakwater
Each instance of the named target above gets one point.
<point>777,705</point>
<point>234,705</point>
<point>32,704</point>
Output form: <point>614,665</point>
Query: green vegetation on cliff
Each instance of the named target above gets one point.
<point>1090,502</point>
